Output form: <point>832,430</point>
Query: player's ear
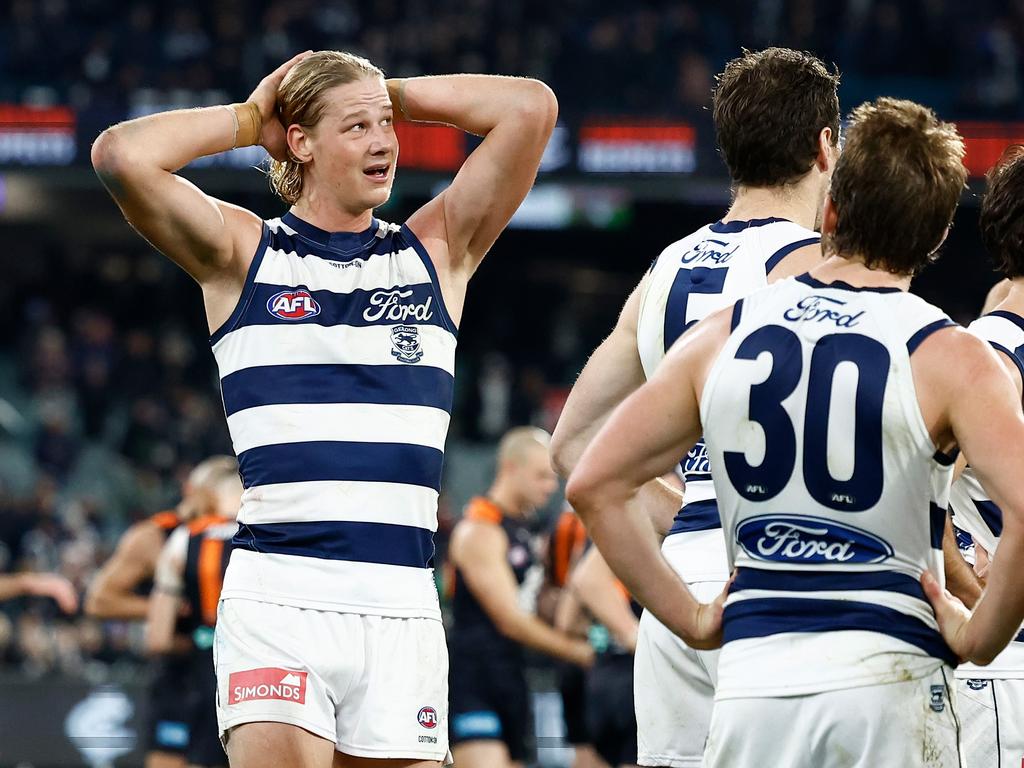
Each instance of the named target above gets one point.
<point>829,218</point>
<point>826,151</point>
<point>299,144</point>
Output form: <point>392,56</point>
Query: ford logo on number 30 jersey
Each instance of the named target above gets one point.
<point>806,539</point>
<point>293,305</point>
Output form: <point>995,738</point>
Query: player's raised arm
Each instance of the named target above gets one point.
<point>137,162</point>
<point>515,116</point>
<point>642,440</point>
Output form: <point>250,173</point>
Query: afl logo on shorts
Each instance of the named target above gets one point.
<point>293,305</point>
<point>427,717</point>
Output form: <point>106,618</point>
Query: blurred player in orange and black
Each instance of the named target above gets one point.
<point>566,543</point>
<point>120,591</point>
<point>492,551</point>
<point>191,571</point>
<point>610,713</point>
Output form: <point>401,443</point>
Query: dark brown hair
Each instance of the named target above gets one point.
<point>769,108</point>
<point>896,185</point>
<point>1002,212</point>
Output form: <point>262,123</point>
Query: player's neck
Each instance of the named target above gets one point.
<point>1014,301</point>
<point>504,495</point>
<point>853,271</point>
<point>799,203</point>
<point>327,214</point>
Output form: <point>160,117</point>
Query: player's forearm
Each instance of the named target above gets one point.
<point>998,615</point>
<point>163,142</point>
<point>526,629</point>
<point>960,577</point>
<point>105,605</point>
<point>12,586</point>
<point>475,103</point>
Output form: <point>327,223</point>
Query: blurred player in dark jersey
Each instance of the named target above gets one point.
<point>610,716</point>
<point>492,549</point>
<point>566,543</point>
<point>190,571</point>
<point>120,591</point>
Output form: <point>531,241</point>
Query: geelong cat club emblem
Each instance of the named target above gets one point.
<point>406,342</point>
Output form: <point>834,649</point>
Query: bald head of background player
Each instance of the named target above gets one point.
<point>376,370</point>
<point>777,124</point>
<point>891,203</point>
<point>492,550</point>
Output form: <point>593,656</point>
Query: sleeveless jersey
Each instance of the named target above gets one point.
<point>973,511</point>
<point>691,279</point>
<point>337,368</point>
<point>832,495</point>
<point>473,631</point>
<point>566,543</point>
<point>206,560</point>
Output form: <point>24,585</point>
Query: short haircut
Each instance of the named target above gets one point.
<point>770,107</point>
<point>896,186</point>
<point>217,474</point>
<point>518,441</point>
<point>1002,213</point>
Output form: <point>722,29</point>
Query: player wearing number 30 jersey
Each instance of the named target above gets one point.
<point>830,405</point>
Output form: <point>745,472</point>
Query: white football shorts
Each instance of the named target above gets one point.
<point>376,686</point>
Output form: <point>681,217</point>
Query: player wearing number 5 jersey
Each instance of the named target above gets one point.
<point>777,118</point>
<point>831,404</point>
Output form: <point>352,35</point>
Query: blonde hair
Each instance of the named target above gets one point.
<point>519,441</point>
<point>300,102</point>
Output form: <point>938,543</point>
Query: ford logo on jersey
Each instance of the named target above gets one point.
<point>807,539</point>
<point>293,305</point>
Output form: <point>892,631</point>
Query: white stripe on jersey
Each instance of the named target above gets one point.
<point>257,345</point>
<point>344,422</point>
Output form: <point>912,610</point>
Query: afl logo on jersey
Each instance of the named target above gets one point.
<point>293,305</point>
<point>427,717</point>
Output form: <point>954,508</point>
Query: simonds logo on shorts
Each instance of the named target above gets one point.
<point>267,683</point>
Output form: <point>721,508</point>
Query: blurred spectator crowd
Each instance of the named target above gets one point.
<point>651,57</point>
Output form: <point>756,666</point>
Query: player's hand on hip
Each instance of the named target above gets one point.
<point>272,134</point>
<point>951,614</point>
<point>707,632</point>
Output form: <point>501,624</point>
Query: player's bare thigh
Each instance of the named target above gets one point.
<point>160,759</point>
<point>270,745</point>
<point>483,753</point>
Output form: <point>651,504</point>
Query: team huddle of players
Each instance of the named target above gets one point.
<point>765,451</point>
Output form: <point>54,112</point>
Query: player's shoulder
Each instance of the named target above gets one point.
<point>482,510</point>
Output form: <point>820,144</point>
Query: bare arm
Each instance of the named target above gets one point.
<point>165,601</point>
<point>595,586</point>
<point>479,550</point>
<point>111,594</point>
<point>642,440</point>
<point>989,427</point>
<point>39,585</point>
<point>515,116</point>
<point>211,240</point>
<point>960,577</point>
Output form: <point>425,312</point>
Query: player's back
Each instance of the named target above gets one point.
<point>691,279</point>
<point>831,492</point>
<point>973,510</point>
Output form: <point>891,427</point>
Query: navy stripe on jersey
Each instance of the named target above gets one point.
<point>337,383</point>
<point>341,460</point>
<point>250,285</point>
<point>383,543</point>
<point>763,617</point>
<point>1013,358</point>
<point>1013,318</point>
<point>731,227</point>
<point>991,514</point>
<point>784,251</point>
<point>737,313</point>
<point>697,516</point>
<point>359,308</point>
<point>826,581</point>
<point>310,240</point>
<point>918,338</point>
<point>806,279</point>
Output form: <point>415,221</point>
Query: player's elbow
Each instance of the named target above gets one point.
<point>561,461</point>
<point>95,605</point>
<point>112,158</point>
<point>508,625</point>
<point>582,492</point>
<point>156,643</point>
<point>538,106</point>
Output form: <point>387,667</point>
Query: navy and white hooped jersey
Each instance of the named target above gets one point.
<point>337,371</point>
<point>691,279</point>
<point>832,495</point>
<point>973,511</point>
